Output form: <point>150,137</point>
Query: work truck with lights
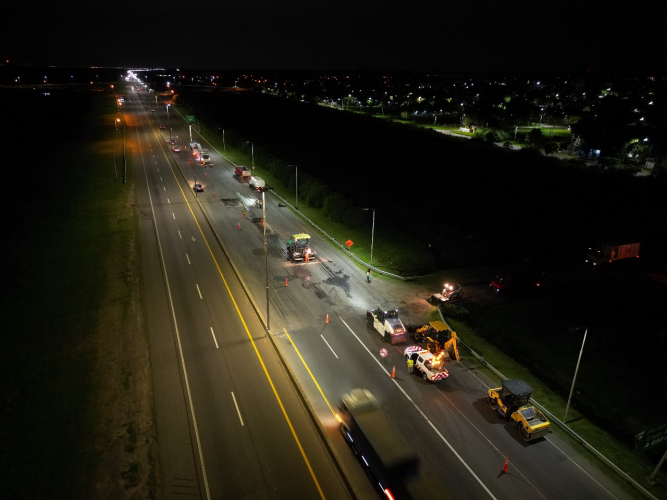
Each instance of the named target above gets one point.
<point>385,320</point>
<point>427,364</point>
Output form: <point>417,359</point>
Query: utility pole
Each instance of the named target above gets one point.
<point>567,408</point>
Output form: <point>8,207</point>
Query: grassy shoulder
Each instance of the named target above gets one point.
<point>636,466</point>
<point>387,255</point>
<point>81,412</point>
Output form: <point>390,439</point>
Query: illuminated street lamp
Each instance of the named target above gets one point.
<point>372,232</point>
<point>167,111</point>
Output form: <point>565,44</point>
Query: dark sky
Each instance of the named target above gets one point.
<point>427,34</point>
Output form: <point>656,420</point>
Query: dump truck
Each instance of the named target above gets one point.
<point>512,401</point>
<point>298,248</point>
<point>438,337</point>
<point>242,172</point>
<point>385,320</point>
<point>609,252</point>
<point>427,364</point>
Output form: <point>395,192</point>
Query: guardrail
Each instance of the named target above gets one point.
<point>562,425</point>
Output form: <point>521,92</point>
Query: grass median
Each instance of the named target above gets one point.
<point>78,420</point>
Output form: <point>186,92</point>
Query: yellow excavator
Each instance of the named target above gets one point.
<point>438,337</point>
<point>512,401</point>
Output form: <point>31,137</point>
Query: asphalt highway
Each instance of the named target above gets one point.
<point>457,435</point>
<point>230,423</point>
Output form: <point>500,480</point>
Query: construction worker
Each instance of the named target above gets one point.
<point>368,275</point>
<point>244,213</point>
<point>307,257</point>
<point>411,365</point>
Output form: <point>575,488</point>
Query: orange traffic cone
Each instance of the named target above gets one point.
<point>239,225</point>
<point>327,322</point>
<point>507,461</point>
<point>393,372</point>
<point>262,221</point>
<point>205,174</point>
<point>213,195</point>
<point>285,280</point>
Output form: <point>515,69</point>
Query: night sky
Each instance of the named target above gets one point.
<point>427,34</point>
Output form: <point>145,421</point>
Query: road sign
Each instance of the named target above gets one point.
<point>384,352</point>
<point>349,243</point>
<point>653,436</point>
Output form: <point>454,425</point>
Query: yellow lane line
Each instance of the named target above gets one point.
<point>310,373</point>
<point>266,372</point>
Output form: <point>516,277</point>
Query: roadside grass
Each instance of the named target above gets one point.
<point>77,215</point>
<point>636,466</point>
<point>387,256</point>
<point>616,450</point>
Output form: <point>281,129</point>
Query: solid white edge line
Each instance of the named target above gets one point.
<point>327,343</point>
<point>198,291</point>
<point>444,440</point>
<point>214,339</point>
<point>237,409</point>
<point>178,336</point>
<point>582,470</point>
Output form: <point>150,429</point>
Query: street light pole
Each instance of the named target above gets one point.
<point>567,408</point>
<point>167,113</point>
<point>296,189</point>
<point>124,162</point>
<point>266,262</point>
<point>372,232</point>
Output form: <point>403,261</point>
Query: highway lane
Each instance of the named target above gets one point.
<point>450,423</point>
<point>251,432</point>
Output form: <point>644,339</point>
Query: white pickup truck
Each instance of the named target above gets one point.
<point>429,365</point>
<point>385,320</point>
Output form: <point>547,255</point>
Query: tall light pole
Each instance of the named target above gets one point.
<point>567,408</point>
<point>296,189</point>
<point>372,232</point>
<point>167,111</point>
<point>266,262</point>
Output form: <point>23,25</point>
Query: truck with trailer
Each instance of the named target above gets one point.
<point>385,320</point>
<point>391,462</point>
<point>610,252</point>
<point>242,172</point>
